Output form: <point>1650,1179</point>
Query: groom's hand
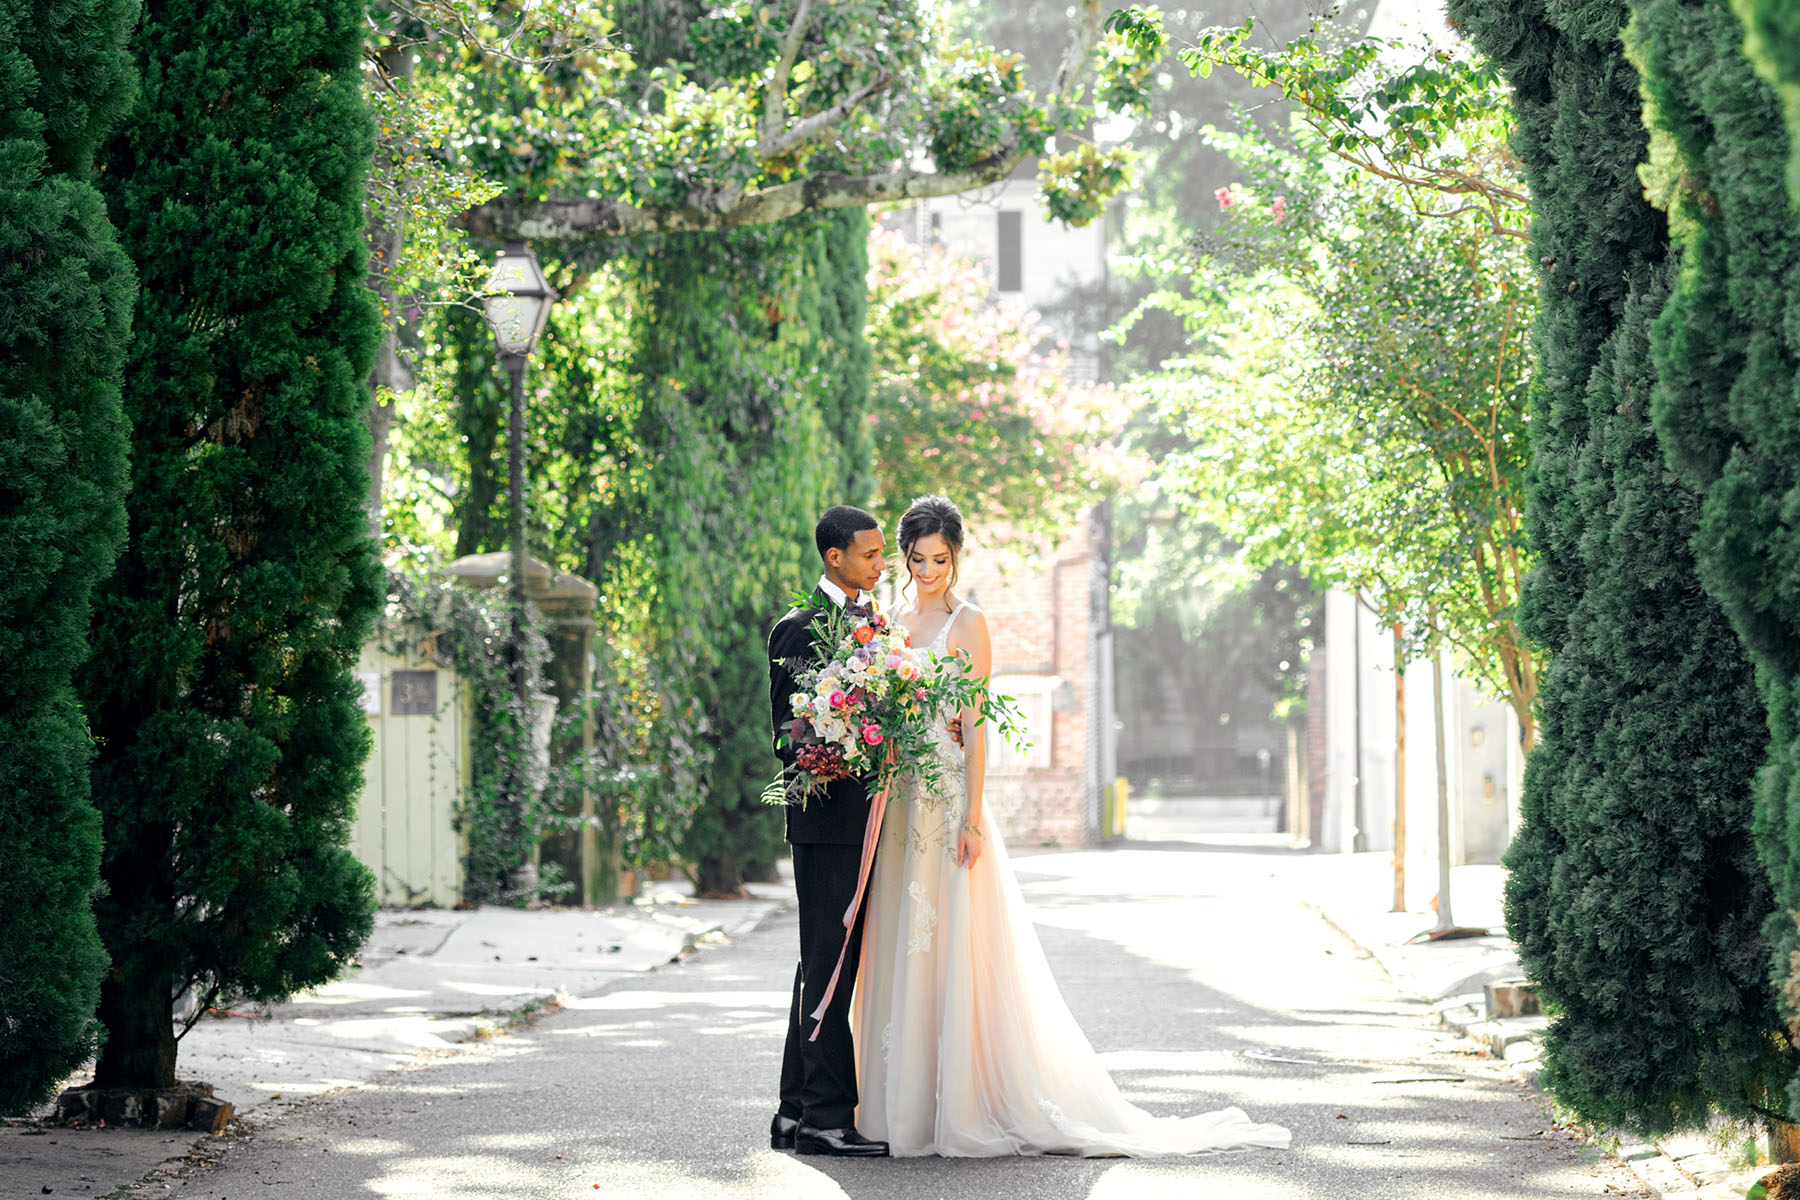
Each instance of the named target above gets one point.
<point>955,728</point>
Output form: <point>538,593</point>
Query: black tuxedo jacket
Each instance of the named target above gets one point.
<point>840,816</point>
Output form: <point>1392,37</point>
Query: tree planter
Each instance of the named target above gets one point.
<point>187,1105</point>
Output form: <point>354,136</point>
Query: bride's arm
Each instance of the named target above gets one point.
<point>971,634</point>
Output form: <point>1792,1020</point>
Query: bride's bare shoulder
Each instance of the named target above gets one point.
<point>968,623</point>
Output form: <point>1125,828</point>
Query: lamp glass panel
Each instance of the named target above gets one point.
<point>517,321</point>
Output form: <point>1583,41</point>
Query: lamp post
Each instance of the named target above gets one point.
<point>518,306</point>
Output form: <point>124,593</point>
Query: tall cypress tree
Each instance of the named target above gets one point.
<point>1774,49</point>
<point>65,312</point>
<point>1635,893</point>
<point>231,738</point>
<point>1727,349</point>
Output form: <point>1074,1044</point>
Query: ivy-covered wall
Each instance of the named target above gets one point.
<point>739,370</point>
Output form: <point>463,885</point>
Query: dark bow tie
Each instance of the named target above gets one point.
<point>860,608</point>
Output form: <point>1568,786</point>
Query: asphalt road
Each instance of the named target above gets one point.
<point>1191,968</point>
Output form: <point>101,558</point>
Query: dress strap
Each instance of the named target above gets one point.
<point>944,633</point>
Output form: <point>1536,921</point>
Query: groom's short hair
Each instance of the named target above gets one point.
<point>839,525</point>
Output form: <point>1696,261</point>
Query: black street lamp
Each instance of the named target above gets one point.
<point>518,307</point>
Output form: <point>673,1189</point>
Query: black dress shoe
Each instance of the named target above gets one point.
<point>781,1132</point>
<point>843,1143</point>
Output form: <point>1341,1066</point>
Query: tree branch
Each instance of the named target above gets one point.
<point>547,220</point>
<point>517,216</point>
<point>1078,59</point>
<point>819,122</point>
<point>774,112</point>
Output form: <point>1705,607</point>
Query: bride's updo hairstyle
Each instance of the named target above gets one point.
<point>929,515</point>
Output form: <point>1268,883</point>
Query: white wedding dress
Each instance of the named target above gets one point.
<point>964,1044</point>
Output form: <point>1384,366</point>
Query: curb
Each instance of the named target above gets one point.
<point>1697,1175</point>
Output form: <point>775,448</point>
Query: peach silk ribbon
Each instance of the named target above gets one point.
<point>871,835</point>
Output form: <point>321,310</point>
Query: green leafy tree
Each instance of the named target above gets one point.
<point>1355,404</point>
<point>597,124</point>
<point>220,691</point>
<point>1635,892</point>
<point>1727,355</point>
<point>65,293</point>
<point>659,119</point>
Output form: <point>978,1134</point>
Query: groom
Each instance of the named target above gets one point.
<point>818,1077</point>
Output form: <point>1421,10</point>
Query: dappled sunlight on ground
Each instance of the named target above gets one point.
<point>1202,983</point>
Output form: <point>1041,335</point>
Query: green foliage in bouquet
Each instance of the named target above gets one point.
<point>221,689</point>
<point>1727,354</point>
<point>1635,894</point>
<point>65,292</point>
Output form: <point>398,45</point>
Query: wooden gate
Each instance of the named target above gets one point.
<point>405,832</point>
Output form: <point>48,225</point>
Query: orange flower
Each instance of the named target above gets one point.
<point>864,634</point>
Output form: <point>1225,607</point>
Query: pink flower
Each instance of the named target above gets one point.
<point>1223,196</point>
<point>872,734</point>
<point>894,660</point>
<point>1279,207</point>
<point>838,700</point>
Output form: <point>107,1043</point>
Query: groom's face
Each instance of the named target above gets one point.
<point>860,565</point>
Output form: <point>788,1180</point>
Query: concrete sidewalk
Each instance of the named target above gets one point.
<point>427,980</point>
<point>1353,892</point>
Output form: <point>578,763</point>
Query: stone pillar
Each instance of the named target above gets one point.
<point>589,853</point>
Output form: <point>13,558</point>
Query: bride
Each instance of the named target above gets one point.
<point>964,1044</point>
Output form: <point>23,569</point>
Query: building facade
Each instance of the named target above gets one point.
<point>1049,614</point>
<point>1358,767</point>
<point>1048,617</point>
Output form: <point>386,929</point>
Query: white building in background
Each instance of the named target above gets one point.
<point>1355,704</point>
<point>1035,262</point>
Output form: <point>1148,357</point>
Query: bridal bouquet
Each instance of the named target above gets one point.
<point>871,710</point>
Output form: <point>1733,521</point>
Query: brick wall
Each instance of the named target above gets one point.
<point>1042,615</point>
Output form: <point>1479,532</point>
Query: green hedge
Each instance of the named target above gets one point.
<point>1635,894</point>
<point>65,314</point>
<point>231,735</point>
<point>1727,350</point>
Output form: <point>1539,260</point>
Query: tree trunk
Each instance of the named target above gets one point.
<point>1445,920</point>
<point>390,374</point>
<point>1399,771</point>
<point>138,1012</point>
<point>718,876</point>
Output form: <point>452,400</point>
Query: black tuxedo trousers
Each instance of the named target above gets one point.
<point>818,1078</point>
